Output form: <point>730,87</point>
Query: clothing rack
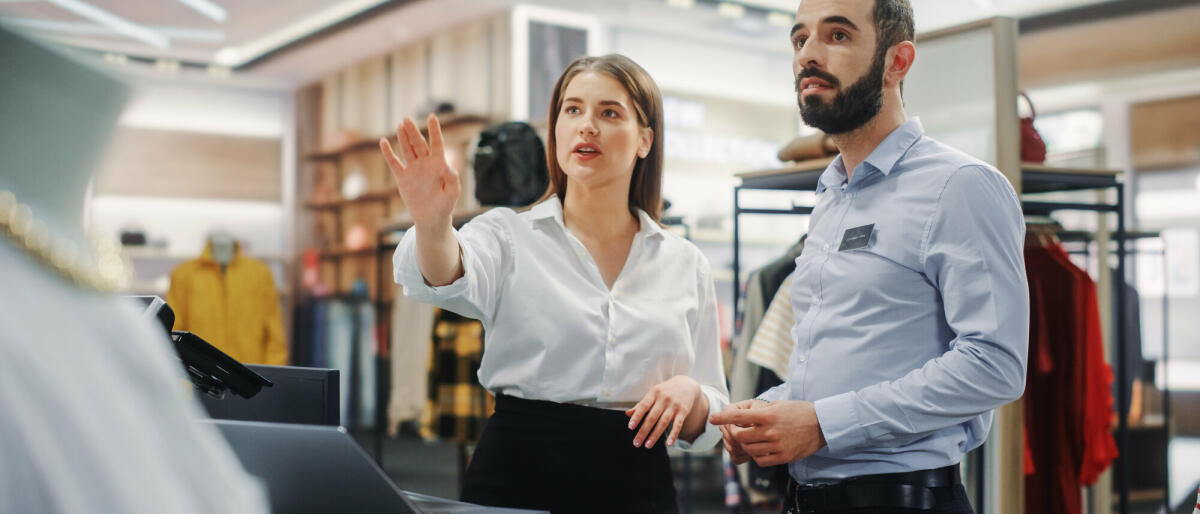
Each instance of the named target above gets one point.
<point>1035,179</point>
<point>387,245</point>
<point>1087,238</point>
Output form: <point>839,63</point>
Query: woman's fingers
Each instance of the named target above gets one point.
<point>649,423</point>
<point>635,414</point>
<point>676,427</point>
<point>410,141</point>
<point>389,155</point>
<point>437,150</point>
<point>664,422</point>
<point>405,152</point>
<point>420,147</point>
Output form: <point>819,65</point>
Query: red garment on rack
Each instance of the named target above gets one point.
<point>1068,399</point>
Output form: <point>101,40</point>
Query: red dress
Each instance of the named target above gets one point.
<point>1068,400</point>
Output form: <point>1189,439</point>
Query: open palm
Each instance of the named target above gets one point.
<point>428,185</point>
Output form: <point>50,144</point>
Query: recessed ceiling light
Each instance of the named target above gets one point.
<point>167,65</point>
<point>218,70</point>
<point>227,56</point>
<point>116,58</point>
<point>779,19</point>
<point>683,4</point>
<point>729,10</point>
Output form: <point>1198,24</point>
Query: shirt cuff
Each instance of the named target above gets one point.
<point>712,434</point>
<point>774,394</point>
<point>838,418</point>
<point>407,271</point>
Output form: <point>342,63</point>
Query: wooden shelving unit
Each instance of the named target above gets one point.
<point>341,267</point>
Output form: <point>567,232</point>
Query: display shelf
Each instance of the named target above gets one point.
<point>447,122</point>
<point>148,254</point>
<point>1035,178</point>
<point>801,176</point>
<point>363,198</point>
<point>345,252</point>
<point>405,222</point>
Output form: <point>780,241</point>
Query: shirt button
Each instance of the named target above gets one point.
<point>825,246</point>
<point>612,341</point>
<point>801,358</point>
<point>816,301</point>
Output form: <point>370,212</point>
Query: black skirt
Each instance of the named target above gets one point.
<point>566,458</point>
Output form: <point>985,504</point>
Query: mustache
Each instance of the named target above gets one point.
<point>813,72</point>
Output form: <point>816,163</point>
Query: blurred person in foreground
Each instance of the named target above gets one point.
<point>602,344</point>
<point>96,414</point>
<point>910,297</point>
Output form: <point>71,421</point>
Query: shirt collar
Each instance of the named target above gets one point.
<point>551,210</point>
<point>883,158</point>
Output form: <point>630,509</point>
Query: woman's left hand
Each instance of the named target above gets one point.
<point>666,405</point>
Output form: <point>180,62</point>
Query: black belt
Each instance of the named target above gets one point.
<point>910,490</point>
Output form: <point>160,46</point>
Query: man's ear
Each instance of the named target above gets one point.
<point>646,141</point>
<point>899,61</point>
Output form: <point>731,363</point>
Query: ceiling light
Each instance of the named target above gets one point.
<point>235,57</point>
<point>87,28</point>
<point>228,56</point>
<point>167,65</point>
<point>207,8</point>
<point>117,23</point>
<point>683,4</point>
<point>779,19</point>
<point>116,58</point>
<point>775,5</point>
<point>218,71</point>
<point>729,10</point>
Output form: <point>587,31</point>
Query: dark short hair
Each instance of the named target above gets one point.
<point>893,24</point>
<point>645,189</point>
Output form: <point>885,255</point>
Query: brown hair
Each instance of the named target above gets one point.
<point>645,188</point>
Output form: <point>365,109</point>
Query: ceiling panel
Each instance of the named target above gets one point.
<point>195,38</point>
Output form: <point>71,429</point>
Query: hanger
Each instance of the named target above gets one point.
<point>1042,231</point>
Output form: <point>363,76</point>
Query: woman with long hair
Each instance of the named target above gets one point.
<point>602,343</point>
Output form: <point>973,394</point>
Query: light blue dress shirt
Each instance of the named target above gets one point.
<point>907,341</point>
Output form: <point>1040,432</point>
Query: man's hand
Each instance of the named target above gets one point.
<point>775,433</point>
<point>732,446</point>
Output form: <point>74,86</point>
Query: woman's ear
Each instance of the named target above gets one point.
<point>646,137</point>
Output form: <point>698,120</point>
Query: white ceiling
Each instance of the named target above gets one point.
<point>254,28</point>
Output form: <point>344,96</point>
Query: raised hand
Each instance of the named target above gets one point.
<point>429,186</point>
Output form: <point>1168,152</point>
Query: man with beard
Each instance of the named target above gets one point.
<point>910,298</point>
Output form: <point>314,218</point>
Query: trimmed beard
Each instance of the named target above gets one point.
<point>851,108</point>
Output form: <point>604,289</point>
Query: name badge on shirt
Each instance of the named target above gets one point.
<point>857,237</point>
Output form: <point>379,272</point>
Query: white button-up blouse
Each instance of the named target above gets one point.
<point>553,329</point>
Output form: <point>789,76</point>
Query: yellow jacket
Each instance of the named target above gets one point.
<point>238,311</point>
